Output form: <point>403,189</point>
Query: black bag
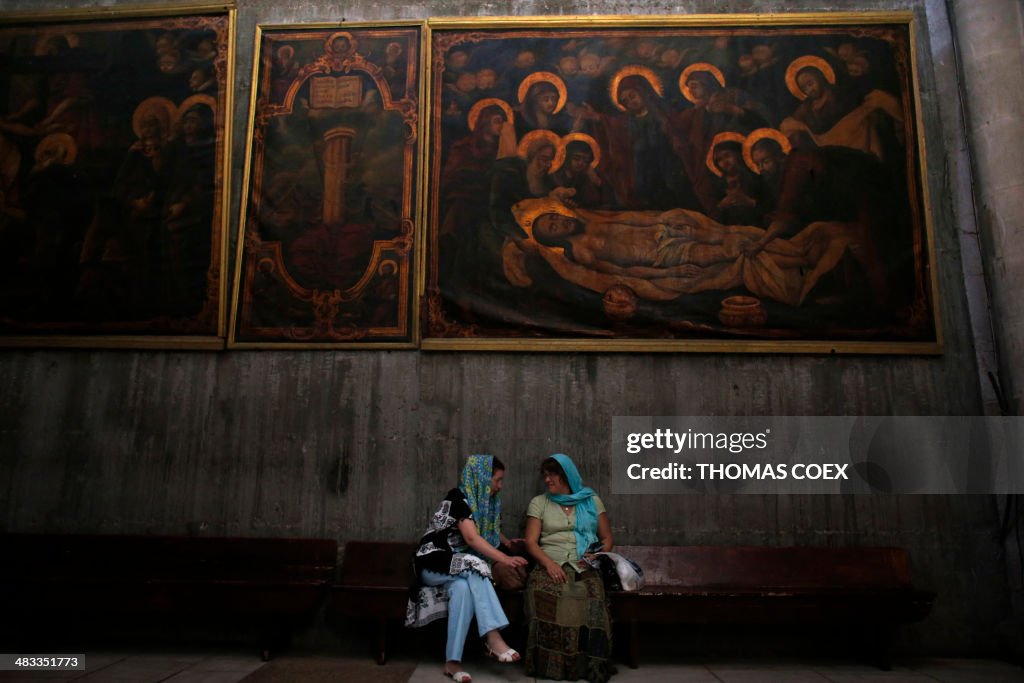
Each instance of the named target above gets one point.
<point>610,577</point>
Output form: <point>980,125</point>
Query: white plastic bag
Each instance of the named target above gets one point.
<point>631,576</point>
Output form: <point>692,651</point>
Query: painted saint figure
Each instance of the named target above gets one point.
<point>542,97</point>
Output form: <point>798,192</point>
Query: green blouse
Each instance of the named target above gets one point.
<point>557,535</point>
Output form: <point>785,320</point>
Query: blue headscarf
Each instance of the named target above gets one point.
<point>583,498</point>
<point>475,484</point>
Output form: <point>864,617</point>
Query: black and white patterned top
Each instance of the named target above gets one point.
<point>442,550</point>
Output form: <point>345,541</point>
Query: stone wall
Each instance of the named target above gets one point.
<point>360,444</point>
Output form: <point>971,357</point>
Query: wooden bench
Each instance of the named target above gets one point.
<point>374,584</point>
<point>90,581</point>
<point>849,587</point>
<point>867,588</point>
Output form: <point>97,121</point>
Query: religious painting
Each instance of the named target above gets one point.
<point>717,183</point>
<point>325,254</point>
<point>113,177</point>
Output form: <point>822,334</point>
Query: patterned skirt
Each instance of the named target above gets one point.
<point>570,635</point>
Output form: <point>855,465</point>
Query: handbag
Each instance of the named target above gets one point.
<point>618,572</point>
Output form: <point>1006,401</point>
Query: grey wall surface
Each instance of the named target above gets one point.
<point>991,52</point>
<point>991,49</point>
<point>360,445</point>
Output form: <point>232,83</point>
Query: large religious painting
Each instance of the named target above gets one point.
<point>326,237</point>
<point>713,183</point>
<point>113,164</point>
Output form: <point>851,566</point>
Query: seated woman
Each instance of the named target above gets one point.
<point>454,579</point>
<point>570,628</point>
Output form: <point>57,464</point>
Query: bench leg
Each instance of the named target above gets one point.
<point>874,645</point>
<point>633,635</point>
<point>882,649</point>
<point>275,638</point>
<point>382,640</point>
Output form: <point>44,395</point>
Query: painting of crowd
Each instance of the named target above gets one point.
<point>109,195</point>
<point>331,201</point>
<point>676,183</point>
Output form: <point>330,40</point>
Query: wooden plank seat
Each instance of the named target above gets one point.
<point>270,584</point>
<point>867,587</point>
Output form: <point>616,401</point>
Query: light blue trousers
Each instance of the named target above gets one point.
<point>469,595</point>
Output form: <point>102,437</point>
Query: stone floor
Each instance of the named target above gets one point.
<point>205,667</point>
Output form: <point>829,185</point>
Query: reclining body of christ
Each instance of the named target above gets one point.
<point>661,255</point>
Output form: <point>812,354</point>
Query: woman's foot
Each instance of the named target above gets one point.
<point>453,670</point>
<point>499,649</point>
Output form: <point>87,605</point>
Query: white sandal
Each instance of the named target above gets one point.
<point>507,657</point>
<point>458,676</point>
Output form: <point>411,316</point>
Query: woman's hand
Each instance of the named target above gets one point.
<point>511,561</point>
<point>555,572</point>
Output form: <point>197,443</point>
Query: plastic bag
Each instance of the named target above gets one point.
<point>619,573</point>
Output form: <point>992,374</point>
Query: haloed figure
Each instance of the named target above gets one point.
<point>835,184</point>
<point>737,187</point>
<point>646,172</point>
<point>189,211</point>
<point>635,243</point>
<point>539,110</point>
<point>590,189</point>
<point>823,105</point>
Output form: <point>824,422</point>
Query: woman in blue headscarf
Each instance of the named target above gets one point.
<point>451,563</point>
<point>569,626</point>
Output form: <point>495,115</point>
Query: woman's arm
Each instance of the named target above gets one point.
<point>604,531</point>
<point>533,528</point>
<point>474,540</point>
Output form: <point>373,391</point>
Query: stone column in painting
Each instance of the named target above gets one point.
<point>337,159</point>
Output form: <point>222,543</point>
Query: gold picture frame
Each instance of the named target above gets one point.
<point>332,189</point>
<point>704,183</point>
<point>116,142</point>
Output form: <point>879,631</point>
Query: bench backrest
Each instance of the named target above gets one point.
<point>377,563</point>
<point>46,556</point>
<point>758,567</point>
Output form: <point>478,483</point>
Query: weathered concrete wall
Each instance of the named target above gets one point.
<point>357,445</point>
<point>990,37</point>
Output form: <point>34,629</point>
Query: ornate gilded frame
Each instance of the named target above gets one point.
<point>297,284</point>
<point>919,329</point>
<point>113,67</point>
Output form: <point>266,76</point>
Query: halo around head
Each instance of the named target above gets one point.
<point>802,63</point>
<point>544,77</point>
<point>633,70</point>
<point>58,141</point>
<point>591,142</point>
<point>692,69</point>
<point>541,134</point>
<point>757,136</point>
<point>727,136</point>
<point>474,112</point>
<point>529,210</point>
<point>193,100</point>
<point>329,43</point>
<point>161,107</point>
